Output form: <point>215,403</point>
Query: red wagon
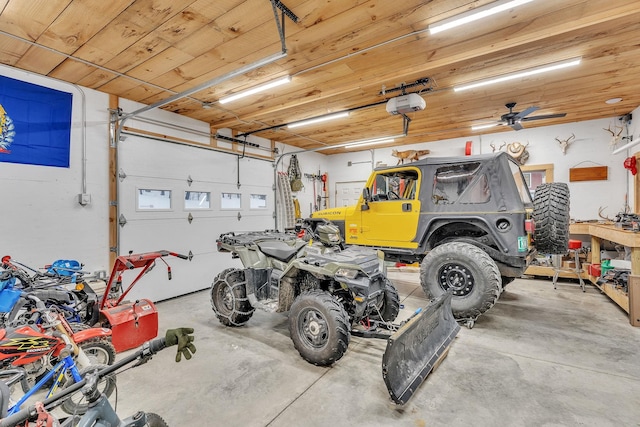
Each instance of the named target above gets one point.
<point>132,322</point>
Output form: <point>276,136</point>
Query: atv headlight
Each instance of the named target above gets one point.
<point>347,272</point>
<point>333,237</point>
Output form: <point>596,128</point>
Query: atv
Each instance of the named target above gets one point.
<point>331,292</point>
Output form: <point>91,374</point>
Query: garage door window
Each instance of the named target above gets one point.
<point>258,201</point>
<point>230,201</point>
<point>197,200</point>
<point>150,199</point>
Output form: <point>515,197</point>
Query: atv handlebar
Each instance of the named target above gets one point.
<point>147,350</point>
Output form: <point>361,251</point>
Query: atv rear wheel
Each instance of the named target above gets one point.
<point>389,306</point>
<point>229,298</point>
<point>551,218</point>
<point>319,327</point>
<point>466,270</point>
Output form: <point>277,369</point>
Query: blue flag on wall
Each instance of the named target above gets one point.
<point>35,124</point>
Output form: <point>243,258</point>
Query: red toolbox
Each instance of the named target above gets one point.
<point>132,323</point>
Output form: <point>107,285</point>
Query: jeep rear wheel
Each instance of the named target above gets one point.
<point>471,275</point>
<point>319,327</point>
<point>551,218</point>
<point>229,298</point>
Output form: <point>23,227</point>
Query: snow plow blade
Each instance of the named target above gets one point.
<point>415,349</point>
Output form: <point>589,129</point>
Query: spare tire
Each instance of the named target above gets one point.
<point>551,217</point>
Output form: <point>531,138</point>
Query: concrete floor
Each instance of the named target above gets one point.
<point>539,357</point>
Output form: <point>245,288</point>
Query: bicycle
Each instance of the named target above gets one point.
<point>100,412</point>
<point>46,350</point>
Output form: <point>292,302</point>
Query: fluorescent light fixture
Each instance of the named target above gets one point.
<point>255,89</point>
<point>520,74</point>
<point>318,119</point>
<point>487,126</point>
<point>613,100</point>
<point>626,146</point>
<point>475,14</point>
<point>372,141</point>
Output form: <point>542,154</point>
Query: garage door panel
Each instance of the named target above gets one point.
<point>152,165</point>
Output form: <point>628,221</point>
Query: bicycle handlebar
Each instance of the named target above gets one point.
<point>149,348</point>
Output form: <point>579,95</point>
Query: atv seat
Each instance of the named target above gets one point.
<point>281,250</point>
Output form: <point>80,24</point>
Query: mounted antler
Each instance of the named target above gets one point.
<point>602,216</point>
<point>493,147</point>
<point>615,137</point>
<point>564,143</point>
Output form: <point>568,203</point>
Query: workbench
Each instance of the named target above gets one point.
<point>629,302</point>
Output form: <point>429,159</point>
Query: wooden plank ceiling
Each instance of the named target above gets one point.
<point>341,54</point>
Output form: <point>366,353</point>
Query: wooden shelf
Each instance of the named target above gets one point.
<point>599,232</point>
<point>619,297</point>
<point>540,270</point>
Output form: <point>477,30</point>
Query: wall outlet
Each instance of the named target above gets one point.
<point>84,199</point>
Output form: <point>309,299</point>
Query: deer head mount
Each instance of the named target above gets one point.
<point>564,143</point>
<point>519,152</point>
<point>616,135</point>
<point>493,147</point>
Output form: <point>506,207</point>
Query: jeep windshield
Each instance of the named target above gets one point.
<point>521,183</point>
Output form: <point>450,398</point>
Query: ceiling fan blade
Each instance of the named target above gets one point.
<point>516,126</point>
<point>525,112</point>
<point>547,116</point>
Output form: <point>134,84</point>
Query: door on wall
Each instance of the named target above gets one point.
<point>535,175</point>
<point>181,199</point>
<point>348,192</point>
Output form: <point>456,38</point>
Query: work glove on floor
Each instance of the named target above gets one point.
<point>181,337</point>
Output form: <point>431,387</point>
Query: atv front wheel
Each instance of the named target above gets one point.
<point>229,298</point>
<point>389,306</point>
<point>466,270</point>
<point>319,327</point>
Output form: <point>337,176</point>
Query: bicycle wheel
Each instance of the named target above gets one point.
<point>155,420</point>
<point>76,403</point>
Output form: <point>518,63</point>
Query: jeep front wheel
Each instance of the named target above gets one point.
<point>471,275</point>
<point>319,327</point>
<point>229,298</point>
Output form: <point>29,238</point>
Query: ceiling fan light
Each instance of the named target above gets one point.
<point>318,119</point>
<point>520,74</point>
<point>255,89</point>
<point>475,14</point>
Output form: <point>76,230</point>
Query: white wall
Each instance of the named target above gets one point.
<point>591,148</point>
<point>41,218</point>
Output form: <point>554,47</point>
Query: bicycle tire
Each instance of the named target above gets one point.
<point>74,406</point>
<point>155,420</point>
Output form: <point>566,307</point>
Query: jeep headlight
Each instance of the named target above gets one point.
<point>347,272</point>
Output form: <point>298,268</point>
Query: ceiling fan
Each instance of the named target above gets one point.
<point>515,119</point>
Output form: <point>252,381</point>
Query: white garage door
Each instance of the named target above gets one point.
<point>181,199</point>
<point>347,193</point>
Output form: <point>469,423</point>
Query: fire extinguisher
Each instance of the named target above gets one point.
<point>323,178</point>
